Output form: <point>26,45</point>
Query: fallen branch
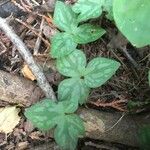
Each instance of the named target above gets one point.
<point>18,90</point>
<point>27,56</point>
<point>99,125</point>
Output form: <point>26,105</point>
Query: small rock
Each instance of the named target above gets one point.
<point>22,145</point>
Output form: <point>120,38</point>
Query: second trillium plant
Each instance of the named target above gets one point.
<point>82,76</point>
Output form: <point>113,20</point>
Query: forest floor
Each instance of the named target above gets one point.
<point>127,91</point>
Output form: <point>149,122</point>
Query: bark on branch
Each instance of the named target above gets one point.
<point>18,90</point>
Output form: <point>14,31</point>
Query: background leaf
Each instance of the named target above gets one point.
<point>87,33</point>
<point>73,89</point>
<point>64,17</point>
<point>8,119</point>
<point>72,65</point>
<point>131,18</point>
<point>88,9</point>
<point>66,134</point>
<point>62,45</point>
<point>99,70</point>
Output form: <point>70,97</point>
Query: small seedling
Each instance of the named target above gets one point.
<point>71,62</point>
<point>83,76</point>
<point>66,20</point>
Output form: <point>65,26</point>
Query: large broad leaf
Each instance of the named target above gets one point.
<point>88,9</point>
<point>72,65</point>
<point>67,132</point>
<point>64,17</point>
<point>62,45</point>
<point>44,114</point>
<point>87,33</point>
<point>132,19</point>
<point>73,89</point>
<point>99,70</point>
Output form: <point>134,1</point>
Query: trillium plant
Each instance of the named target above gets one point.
<point>71,62</point>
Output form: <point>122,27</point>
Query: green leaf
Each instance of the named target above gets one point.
<point>64,17</point>
<point>62,45</point>
<point>88,9</point>
<point>149,77</point>
<point>99,70</point>
<point>67,132</point>
<point>69,106</point>
<point>144,137</point>
<point>72,65</point>
<point>44,114</point>
<point>48,114</point>
<point>131,17</point>
<point>73,89</point>
<point>87,33</point>
<point>108,7</point>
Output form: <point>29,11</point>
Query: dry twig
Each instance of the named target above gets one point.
<point>3,46</point>
<point>130,58</point>
<point>23,50</point>
<point>116,104</point>
<point>33,30</point>
<point>38,41</point>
